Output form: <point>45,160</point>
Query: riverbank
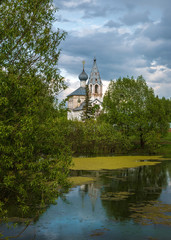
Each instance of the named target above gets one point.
<point>124,161</point>
<point>120,162</point>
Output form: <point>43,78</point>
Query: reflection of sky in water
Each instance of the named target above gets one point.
<point>74,218</point>
<point>82,214</point>
<point>165,196</point>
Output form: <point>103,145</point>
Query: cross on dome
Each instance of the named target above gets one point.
<point>83,63</point>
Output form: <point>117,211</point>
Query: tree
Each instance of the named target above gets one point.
<point>87,109</point>
<point>28,42</point>
<point>133,107</point>
<point>167,106</point>
<point>35,159</point>
<point>94,137</point>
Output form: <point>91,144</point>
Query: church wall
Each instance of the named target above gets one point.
<point>75,101</point>
<point>74,115</point>
<point>70,103</point>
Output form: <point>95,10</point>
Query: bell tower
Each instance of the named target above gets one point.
<point>95,83</point>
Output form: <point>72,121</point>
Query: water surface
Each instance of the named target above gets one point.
<point>109,208</point>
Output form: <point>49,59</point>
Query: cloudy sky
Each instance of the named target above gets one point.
<point>127,37</point>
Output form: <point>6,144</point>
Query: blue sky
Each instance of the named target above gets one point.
<point>127,37</point>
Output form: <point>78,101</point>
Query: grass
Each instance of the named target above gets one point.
<point>116,162</point>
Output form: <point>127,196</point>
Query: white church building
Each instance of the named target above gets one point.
<point>76,99</point>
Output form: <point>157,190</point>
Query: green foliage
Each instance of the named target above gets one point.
<point>92,137</point>
<point>35,158</point>
<point>165,146</point>
<point>152,140</point>
<point>131,105</point>
<point>96,110</point>
<point>28,43</point>
<point>167,106</point>
<point>87,109</point>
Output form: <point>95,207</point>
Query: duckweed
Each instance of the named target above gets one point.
<point>115,196</point>
<point>116,162</point>
<point>80,180</point>
<point>154,212</point>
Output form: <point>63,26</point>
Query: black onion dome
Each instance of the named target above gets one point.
<point>83,76</point>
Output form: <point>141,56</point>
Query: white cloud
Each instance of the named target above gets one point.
<point>105,85</point>
<point>75,3</point>
<point>137,46</point>
<point>67,59</point>
<point>72,82</point>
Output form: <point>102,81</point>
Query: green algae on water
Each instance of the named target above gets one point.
<point>80,180</point>
<point>154,212</point>
<point>115,196</point>
<point>116,162</point>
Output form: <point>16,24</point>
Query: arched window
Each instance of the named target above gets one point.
<point>96,88</point>
<point>90,88</point>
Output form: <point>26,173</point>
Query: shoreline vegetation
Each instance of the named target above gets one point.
<point>165,146</point>
<point>94,138</point>
<point>119,162</point>
<point>125,161</point>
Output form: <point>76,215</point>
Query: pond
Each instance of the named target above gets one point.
<point>121,204</point>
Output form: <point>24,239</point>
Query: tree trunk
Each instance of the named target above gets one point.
<point>141,140</point>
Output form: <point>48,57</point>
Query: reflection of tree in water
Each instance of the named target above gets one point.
<point>168,166</point>
<point>145,182</point>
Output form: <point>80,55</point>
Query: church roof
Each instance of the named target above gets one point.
<point>83,76</point>
<point>94,75</point>
<point>81,91</point>
<point>97,101</point>
<point>82,105</point>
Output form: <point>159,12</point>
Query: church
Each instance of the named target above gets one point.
<point>76,99</point>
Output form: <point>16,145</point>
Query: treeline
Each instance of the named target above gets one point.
<point>133,120</point>
<point>91,137</point>
<point>100,138</point>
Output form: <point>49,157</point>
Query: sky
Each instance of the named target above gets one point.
<point>127,37</point>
